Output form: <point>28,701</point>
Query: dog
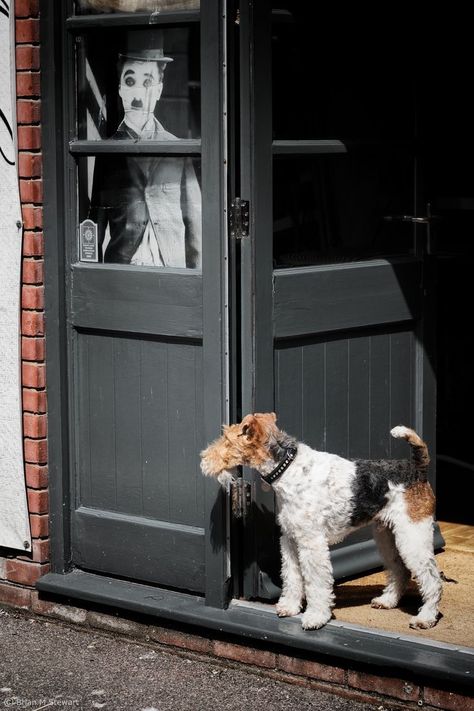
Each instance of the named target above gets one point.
<point>321,498</point>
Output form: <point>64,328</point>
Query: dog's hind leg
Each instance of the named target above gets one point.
<point>414,540</point>
<point>291,599</point>
<point>398,574</point>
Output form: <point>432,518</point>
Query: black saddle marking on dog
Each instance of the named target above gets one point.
<point>371,485</point>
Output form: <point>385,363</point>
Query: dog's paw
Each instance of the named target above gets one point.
<point>383,603</point>
<point>314,620</point>
<point>287,608</point>
<point>420,623</point>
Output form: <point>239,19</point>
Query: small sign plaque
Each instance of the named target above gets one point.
<point>88,246</point>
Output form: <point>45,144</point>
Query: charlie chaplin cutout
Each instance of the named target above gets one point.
<point>150,204</point>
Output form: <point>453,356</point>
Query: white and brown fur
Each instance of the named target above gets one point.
<point>322,497</point>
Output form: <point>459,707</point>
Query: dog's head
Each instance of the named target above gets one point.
<point>246,443</point>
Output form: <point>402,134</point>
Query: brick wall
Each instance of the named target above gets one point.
<point>18,573</point>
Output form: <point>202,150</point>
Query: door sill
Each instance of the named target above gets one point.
<point>259,622</point>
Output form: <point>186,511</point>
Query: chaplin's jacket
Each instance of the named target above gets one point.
<point>130,191</point>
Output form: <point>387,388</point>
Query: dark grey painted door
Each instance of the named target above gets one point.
<point>147,379</point>
<point>336,330</point>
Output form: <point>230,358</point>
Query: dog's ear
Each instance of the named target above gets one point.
<point>249,427</point>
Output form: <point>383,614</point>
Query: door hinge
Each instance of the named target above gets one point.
<point>239,218</point>
<point>241,497</point>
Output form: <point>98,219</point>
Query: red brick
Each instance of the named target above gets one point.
<point>32,297</point>
<point>29,138</point>
<point>38,501</point>
<point>182,640</point>
<point>32,324</point>
<point>14,596</point>
<point>68,613</point>
<point>34,400</point>
<point>29,165</point>
<point>33,375</point>
<point>314,670</point>
<point>41,551</point>
<point>27,57</point>
<point>28,111</point>
<point>33,271</point>
<point>32,217</point>
<point>36,452</point>
<point>397,688</point>
<point>246,655</point>
<point>28,84</point>
<point>27,31</point>
<point>35,426</point>
<point>31,191</point>
<point>448,700</point>
<point>39,525</point>
<point>33,244</point>
<point>26,8</point>
<point>36,476</point>
<point>33,348</point>
<point>25,573</point>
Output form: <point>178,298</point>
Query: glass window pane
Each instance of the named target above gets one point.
<point>145,85</point>
<point>335,209</point>
<point>140,210</point>
<point>336,77</point>
<point>100,6</point>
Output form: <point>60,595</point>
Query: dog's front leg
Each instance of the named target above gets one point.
<point>291,598</point>
<point>315,564</point>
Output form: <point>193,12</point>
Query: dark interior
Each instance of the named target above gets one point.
<point>401,105</point>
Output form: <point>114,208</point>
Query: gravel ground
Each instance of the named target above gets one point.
<point>51,665</point>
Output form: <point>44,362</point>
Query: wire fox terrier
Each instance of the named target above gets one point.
<point>321,498</point>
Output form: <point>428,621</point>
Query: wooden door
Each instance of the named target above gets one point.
<point>336,284</point>
<point>145,280</point>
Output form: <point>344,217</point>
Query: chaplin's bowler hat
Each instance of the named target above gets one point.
<point>145,46</point>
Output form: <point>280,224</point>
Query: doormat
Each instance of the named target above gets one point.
<point>457,623</point>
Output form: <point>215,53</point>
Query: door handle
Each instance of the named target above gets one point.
<point>425,220</point>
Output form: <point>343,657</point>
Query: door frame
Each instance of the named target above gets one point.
<point>57,56</point>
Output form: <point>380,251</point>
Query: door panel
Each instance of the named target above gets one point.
<point>139,427</point>
<point>341,395</point>
<point>323,299</point>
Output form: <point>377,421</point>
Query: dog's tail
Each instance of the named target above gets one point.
<point>421,457</point>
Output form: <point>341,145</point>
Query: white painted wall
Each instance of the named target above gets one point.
<point>14,523</point>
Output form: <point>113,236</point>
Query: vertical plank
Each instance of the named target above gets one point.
<point>336,396</point>
<point>314,396</point>
<point>359,398</point>
<point>182,458</point>
<point>199,440</point>
<point>82,438</point>
<point>100,381</point>
<point>401,388</point>
<point>288,396</point>
<point>154,434</point>
<point>128,455</point>
<point>379,396</point>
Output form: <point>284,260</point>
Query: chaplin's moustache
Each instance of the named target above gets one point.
<point>137,104</point>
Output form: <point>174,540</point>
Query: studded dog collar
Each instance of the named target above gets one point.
<point>281,467</point>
